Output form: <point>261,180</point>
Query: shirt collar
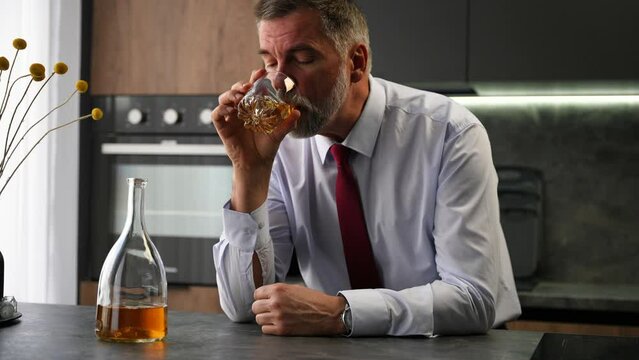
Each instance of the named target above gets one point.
<point>363,135</point>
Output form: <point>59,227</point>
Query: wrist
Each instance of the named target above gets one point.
<point>250,189</point>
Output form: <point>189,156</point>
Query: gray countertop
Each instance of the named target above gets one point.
<point>580,296</point>
<point>66,332</point>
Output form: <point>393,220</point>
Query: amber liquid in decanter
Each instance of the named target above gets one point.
<point>135,322</point>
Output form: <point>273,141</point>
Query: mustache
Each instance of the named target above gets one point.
<point>299,102</point>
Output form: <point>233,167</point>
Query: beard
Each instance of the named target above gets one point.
<point>315,116</point>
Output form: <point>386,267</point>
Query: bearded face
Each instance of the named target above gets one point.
<point>315,115</point>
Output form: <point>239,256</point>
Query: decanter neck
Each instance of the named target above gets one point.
<point>135,205</point>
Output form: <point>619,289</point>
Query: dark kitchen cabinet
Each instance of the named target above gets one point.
<point>418,42</point>
<point>550,40</point>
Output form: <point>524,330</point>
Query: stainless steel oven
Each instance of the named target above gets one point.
<point>169,141</point>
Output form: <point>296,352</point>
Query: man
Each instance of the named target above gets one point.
<point>434,259</point>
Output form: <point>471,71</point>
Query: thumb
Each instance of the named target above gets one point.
<point>287,125</point>
<point>256,74</point>
<point>262,293</point>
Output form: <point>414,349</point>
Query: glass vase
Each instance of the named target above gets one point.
<point>132,293</point>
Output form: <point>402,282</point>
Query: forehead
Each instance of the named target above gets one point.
<point>302,27</point>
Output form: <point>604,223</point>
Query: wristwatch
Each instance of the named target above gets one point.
<point>347,320</point>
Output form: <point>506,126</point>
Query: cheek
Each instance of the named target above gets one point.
<point>316,86</point>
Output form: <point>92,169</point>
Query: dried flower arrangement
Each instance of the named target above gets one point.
<point>37,73</point>
<point>13,137</point>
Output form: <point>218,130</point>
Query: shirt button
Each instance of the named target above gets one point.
<point>260,225</point>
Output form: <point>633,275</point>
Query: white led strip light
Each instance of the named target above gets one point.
<point>547,100</point>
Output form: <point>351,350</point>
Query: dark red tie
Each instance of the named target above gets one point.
<point>357,247</point>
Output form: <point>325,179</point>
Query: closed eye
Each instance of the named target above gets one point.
<point>304,59</point>
<point>270,66</point>
<point>304,55</point>
<point>301,55</point>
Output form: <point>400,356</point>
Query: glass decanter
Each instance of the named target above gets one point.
<point>132,304</point>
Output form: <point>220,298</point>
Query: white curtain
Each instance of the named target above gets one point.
<point>39,207</point>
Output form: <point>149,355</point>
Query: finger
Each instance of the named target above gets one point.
<point>226,98</point>
<point>256,74</point>
<point>222,111</point>
<point>230,98</point>
<point>260,306</point>
<point>222,117</point>
<point>241,87</point>
<point>219,122</point>
<point>292,119</point>
<point>264,319</point>
<point>272,330</point>
<point>225,120</point>
<point>261,293</point>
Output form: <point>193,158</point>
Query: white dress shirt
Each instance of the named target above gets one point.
<point>429,193</point>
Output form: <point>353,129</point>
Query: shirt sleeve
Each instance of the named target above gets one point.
<point>466,236</point>
<point>264,231</point>
<point>243,234</point>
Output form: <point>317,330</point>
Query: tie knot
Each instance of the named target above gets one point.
<point>340,154</point>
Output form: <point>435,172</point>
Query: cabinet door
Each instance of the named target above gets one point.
<point>541,40</point>
<point>418,42</point>
<point>172,47</point>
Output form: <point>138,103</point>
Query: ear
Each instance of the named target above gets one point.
<point>359,62</point>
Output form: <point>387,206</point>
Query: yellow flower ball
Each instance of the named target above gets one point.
<point>4,63</point>
<point>82,86</point>
<point>37,71</point>
<point>19,44</point>
<point>60,68</point>
<point>97,114</point>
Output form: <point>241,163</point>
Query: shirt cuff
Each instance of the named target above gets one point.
<point>246,231</point>
<point>370,316</point>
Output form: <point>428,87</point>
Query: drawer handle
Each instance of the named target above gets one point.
<point>171,269</point>
<point>162,149</point>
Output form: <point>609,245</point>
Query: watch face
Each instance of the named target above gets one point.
<point>348,318</point>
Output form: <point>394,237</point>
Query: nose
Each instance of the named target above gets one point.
<point>282,68</point>
<point>285,67</point>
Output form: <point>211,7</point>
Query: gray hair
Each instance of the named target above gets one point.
<point>344,23</point>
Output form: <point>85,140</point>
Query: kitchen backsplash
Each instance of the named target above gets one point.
<point>588,153</point>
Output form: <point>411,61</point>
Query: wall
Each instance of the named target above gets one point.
<point>589,155</point>
<point>186,47</point>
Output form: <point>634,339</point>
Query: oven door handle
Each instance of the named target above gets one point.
<point>165,148</point>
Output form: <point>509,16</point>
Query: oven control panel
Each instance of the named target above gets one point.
<point>162,114</point>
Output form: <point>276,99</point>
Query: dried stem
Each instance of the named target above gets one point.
<point>4,105</point>
<point>5,97</point>
<point>6,141</point>
<point>3,165</point>
<point>24,117</point>
<point>36,144</point>
<point>11,89</point>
